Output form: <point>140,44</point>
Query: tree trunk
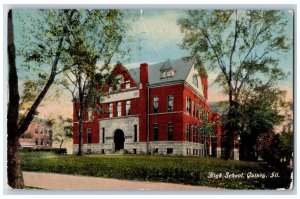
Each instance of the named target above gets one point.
<point>61,144</point>
<point>229,130</point>
<point>14,173</point>
<point>81,105</point>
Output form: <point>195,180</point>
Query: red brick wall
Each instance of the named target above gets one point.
<point>139,107</point>
<point>162,121</point>
<point>40,126</point>
<point>94,125</point>
<point>162,94</point>
<point>143,100</point>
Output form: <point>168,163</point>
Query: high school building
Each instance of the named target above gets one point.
<point>158,109</point>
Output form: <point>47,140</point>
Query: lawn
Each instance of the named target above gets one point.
<point>183,170</point>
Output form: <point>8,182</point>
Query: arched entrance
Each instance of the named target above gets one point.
<point>119,139</point>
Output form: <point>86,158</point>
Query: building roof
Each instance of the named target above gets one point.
<point>166,65</point>
<point>180,66</point>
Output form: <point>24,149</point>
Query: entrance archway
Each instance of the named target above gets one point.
<point>119,139</point>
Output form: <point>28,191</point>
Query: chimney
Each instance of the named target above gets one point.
<point>144,74</point>
<point>203,76</point>
<point>204,83</point>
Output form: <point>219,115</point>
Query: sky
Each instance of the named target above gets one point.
<point>157,38</point>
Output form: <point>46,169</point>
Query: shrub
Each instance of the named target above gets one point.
<point>183,170</point>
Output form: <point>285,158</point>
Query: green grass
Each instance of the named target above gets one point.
<point>183,170</point>
<point>38,155</point>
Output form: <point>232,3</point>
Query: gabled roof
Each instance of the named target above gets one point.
<point>166,66</point>
<point>135,74</point>
<point>181,67</point>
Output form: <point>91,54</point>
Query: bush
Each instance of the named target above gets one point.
<point>55,150</point>
<point>183,170</point>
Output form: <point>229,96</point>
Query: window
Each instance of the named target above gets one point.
<point>42,131</point>
<point>118,86</point>
<point>127,85</point>
<point>155,104</point>
<point>169,150</point>
<point>110,89</point>
<point>188,105</point>
<point>170,103</point>
<point>36,141</point>
<point>187,132</point>
<point>170,131</point>
<point>42,141</point>
<point>36,131</point>
<point>135,133</point>
<point>47,131</point>
<point>90,114</point>
<point>48,142</point>
<point>119,109</point>
<point>194,109</point>
<point>201,113</point>
<point>110,110</point>
<point>163,74</point>
<point>78,113</point>
<point>195,132</point>
<point>195,80</point>
<point>167,73</point>
<point>103,135</point>
<point>134,151</point>
<point>155,132</point>
<point>89,136</point>
<point>128,107</point>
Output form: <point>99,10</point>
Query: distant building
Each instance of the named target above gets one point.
<point>38,135</point>
<point>158,109</point>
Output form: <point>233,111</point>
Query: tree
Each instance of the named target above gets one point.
<point>207,130</point>
<point>63,130</point>
<point>259,114</point>
<point>46,40</point>
<point>243,44</point>
<point>16,127</point>
<point>89,61</point>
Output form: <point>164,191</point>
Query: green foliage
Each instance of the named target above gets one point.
<point>246,46</point>
<point>183,170</point>
<point>63,130</point>
<point>27,153</point>
<point>27,135</point>
<point>277,149</point>
<point>50,122</point>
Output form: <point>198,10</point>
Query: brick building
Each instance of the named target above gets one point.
<point>158,109</point>
<point>38,135</point>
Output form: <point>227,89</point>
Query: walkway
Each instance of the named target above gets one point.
<point>70,182</point>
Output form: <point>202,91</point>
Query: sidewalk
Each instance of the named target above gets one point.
<point>69,182</point>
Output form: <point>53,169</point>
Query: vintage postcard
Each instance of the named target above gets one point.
<point>150,99</point>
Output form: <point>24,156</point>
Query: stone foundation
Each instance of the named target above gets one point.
<point>160,148</point>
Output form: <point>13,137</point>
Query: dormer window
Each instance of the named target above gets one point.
<point>167,71</point>
<point>167,74</point>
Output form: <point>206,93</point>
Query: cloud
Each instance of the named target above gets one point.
<point>162,27</point>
